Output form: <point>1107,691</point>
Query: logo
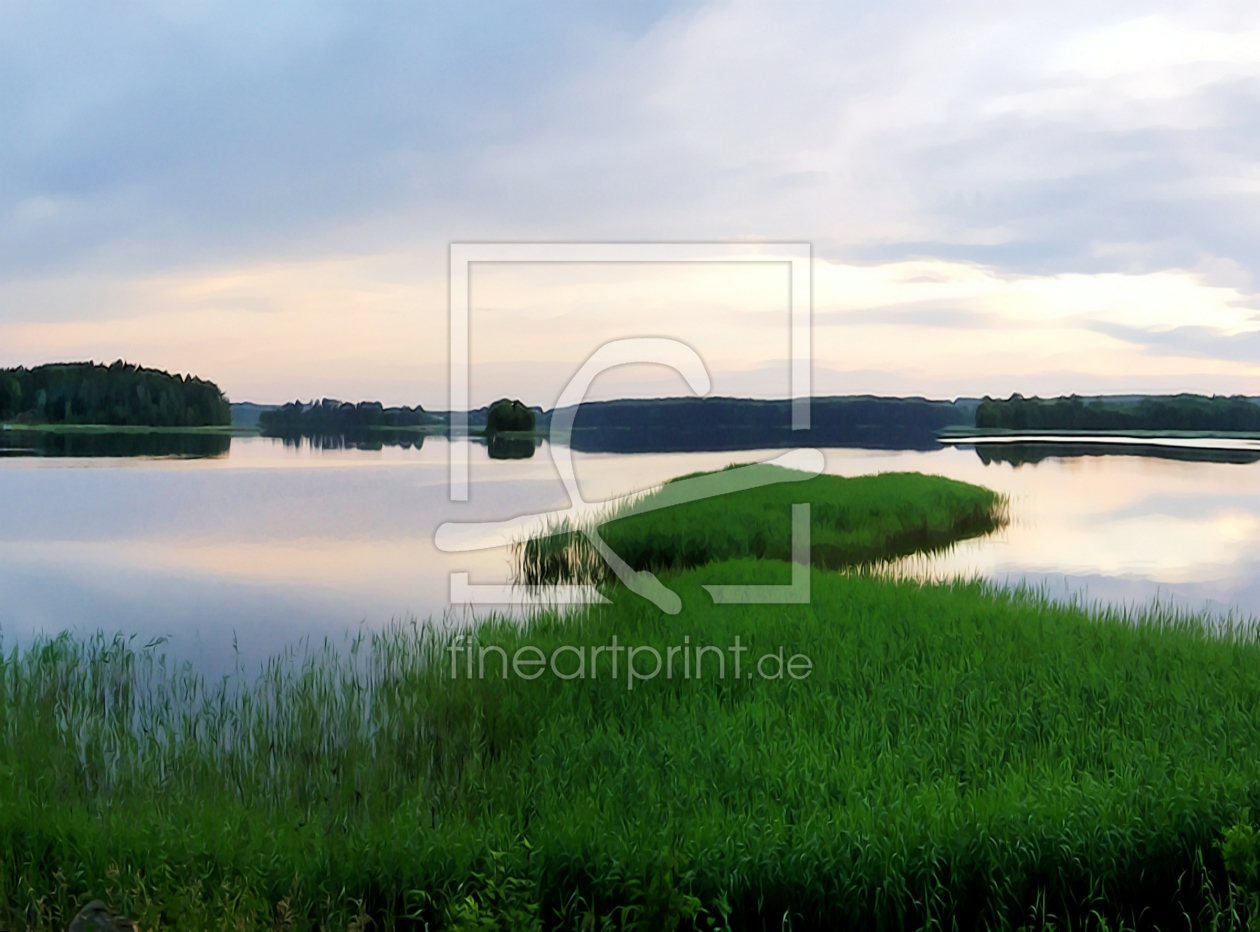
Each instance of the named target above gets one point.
<point>806,463</point>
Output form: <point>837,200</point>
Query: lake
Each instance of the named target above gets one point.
<point>237,550</point>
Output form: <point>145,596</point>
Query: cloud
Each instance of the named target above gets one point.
<point>159,130</point>
<point>967,132</point>
<point>376,327</point>
<point>1199,342</point>
<point>219,128</point>
<point>930,316</point>
<point>978,172</point>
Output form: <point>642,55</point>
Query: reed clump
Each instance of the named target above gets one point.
<point>860,521</point>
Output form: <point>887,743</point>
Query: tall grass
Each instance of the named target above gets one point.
<point>854,522</point>
<point>959,756</point>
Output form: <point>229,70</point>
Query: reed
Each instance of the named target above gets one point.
<point>959,754</point>
<point>866,520</point>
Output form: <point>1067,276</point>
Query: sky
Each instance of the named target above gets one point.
<point>999,196</point>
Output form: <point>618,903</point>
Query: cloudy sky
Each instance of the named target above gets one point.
<point>1000,196</point>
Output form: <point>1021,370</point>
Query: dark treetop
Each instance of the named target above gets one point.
<point>509,415</point>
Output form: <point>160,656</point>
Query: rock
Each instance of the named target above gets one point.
<point>97,917</point>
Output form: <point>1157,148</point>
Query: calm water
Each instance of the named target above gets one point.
<point>268,543</point>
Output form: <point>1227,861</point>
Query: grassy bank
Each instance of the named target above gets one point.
<point>853,522</point>
<point>954,755</point>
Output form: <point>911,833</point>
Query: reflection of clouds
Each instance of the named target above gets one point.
<point>395,567</point>
<point>1238,527</point>
<point>1152,522</point>
<point>359,540</point>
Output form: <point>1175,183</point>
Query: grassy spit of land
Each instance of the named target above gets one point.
<point>956,756</point>
<point>853,522</point>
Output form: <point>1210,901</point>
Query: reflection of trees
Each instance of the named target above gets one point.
<point>510,448</point>
<point>352,440</point>
<point>57,443</point>
<point>1017,454</point>
<point>330,417</point>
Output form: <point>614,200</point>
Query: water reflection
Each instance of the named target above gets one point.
<point>1113,528</point>
<point>498,448</point>
<point>157,444</point>
<point>511,448</point>
<point>352,440</point>
<point>277,540</point>
<point>1017,454</point>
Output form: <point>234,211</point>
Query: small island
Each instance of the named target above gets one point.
<point>509,416</point>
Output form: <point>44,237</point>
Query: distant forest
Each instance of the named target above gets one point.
<point>659,424</point>
<point>120,394</point>
<point>1174,412</point>
<point>330,416</point>
<point>665,424</point>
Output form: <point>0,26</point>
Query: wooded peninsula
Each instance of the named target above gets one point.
<point>119,394</point>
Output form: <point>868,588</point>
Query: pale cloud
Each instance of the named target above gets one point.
<point>357,327</point>
<point>1151,45</point>
<point>1156,300</point>
<point>350,327</point>
<point>1034,334</point>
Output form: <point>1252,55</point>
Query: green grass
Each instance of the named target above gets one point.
<point>853,522</point>
<point>958,755</point>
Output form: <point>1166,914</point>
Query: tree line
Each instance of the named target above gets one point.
<point>667,424</point>
<point>119,394</point>
<point>1174,412</point>
<point>331,416</point>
